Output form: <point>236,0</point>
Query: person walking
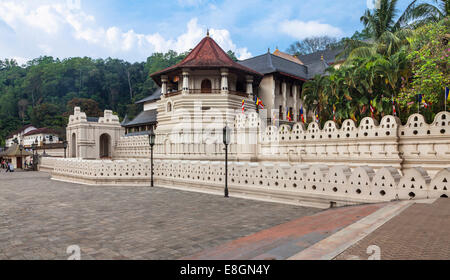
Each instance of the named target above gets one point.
<point>11,167</point>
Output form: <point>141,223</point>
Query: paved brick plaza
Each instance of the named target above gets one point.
<point>40,218</point>
<point>421,232</point>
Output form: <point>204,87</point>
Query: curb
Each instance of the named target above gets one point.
<point>330,247</point>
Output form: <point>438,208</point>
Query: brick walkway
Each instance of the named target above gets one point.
<point>40,218</point>
<point>421,232</point>
<point>286,240</point>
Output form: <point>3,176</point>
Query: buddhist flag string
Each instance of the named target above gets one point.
<point>447,96</point>
<point>301,114</point>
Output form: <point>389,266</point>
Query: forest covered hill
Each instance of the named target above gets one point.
<point>44,91</point>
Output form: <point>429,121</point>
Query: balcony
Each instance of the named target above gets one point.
<point>206,91</point>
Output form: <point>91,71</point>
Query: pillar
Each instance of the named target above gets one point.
<point>185,89</point>
<point>224,81</point>
<point>249,80</point>
<point>164,84</point>
<point>296,108</point>
<point>283,92</point>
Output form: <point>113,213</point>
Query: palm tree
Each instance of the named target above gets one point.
<point>389,32</point>
<point>425,12</point>
<point>313,93</point>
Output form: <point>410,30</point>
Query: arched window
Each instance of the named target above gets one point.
<point>206,86</point>
<point>169,106</point>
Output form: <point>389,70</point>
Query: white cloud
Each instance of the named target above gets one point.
<point>300,30</point>
<point>188,3</point>
<point>55,28</point>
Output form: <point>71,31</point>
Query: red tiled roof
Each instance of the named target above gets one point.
<point>40,131</point>
<point>19,130</point>
<point>207,54</point>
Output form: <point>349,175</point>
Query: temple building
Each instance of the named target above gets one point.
<point>208,75</point>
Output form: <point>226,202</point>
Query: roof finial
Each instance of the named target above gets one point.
<point>207,32</point>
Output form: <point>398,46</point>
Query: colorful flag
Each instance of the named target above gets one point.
<point>289,115</point>
<point>447,95</point>
<point>422,101</point>
<point>334,113</point>
<point>394,112</point>
<point>317,117</point>
<point>301,113</point>
<point>372,110</point>
<point>259,103</point>
<point>243,105</point>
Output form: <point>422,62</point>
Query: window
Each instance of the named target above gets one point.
<point>169,106</point>
<point>280,113</point>
<point>239,86</point>
<point>206,86</point>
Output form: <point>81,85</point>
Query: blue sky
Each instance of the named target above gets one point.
<point>134,29</point>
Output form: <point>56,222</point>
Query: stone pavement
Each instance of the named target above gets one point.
<point>40,218</point>
<point>420,232</point>
<point>288,239</point>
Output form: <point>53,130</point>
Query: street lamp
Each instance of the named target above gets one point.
<point>65,148</point>
<point>21,158</point>
<point>151,139</point>
<point>226,142</point>
<point>34,148</point>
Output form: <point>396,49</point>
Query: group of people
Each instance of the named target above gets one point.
<point>7,165</point>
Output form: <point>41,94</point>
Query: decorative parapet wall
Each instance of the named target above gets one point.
<point>309,185</point>
<point>387,143</point>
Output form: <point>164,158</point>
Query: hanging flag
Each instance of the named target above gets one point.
<point>243,105</point>
<point>259,103</point>
<point>301,113</point>
<point>334,113</point>
<point>425,104</point>
<point>447,95</point>
<point>422,102</point>
<point>317,118</point>
<point>394,112</point>
<point>372,110</point>
<point>289,115</point>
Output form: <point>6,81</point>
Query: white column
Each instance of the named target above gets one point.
<point>249,80</point>
<point>224,82</point>
<point>283,92</point>
<point>185,88</point>
<point>164,84</point>
<point>295,95</point>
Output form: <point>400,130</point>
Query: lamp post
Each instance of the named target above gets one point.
<point>21,158</point>
<point>65,148</point>
<point>226,142</point>
<point>151,139</point>
<point>34,148</point>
